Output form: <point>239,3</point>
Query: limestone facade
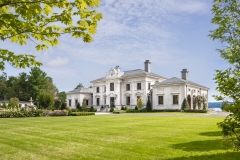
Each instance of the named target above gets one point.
<point>124,88</point>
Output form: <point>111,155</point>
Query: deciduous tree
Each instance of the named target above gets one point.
<point>139,103</point>
<point>45,100</point>
<point>43,22</point>
<point>13,103</point>
<point>227,18</point>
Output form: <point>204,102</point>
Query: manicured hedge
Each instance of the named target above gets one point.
<point>82,113</point>
<point>119,111</point>
<point>144,111</point>
<point>167,110</point>
<point>195,111</point>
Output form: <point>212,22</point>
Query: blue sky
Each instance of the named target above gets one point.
<point>172,34</point>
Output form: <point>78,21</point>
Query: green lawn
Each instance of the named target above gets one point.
<point>127,136</point>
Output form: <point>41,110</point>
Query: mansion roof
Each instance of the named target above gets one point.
<point>81,90</point>
<point>176,80</point>
<point>132,74</point>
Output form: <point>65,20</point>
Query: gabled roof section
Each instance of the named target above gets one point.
<point>176,80</point>
<point>139,73</point>
<point>131,74</point>
<point>81,90</point>
<point>99,79</point>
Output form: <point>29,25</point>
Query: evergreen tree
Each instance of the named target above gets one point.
<point>149,106</point>
<point>185,105</point>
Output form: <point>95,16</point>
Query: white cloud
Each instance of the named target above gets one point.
<point>130,32</point>
<point>58,61</point>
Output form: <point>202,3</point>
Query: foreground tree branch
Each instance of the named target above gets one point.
<point>21,21</point>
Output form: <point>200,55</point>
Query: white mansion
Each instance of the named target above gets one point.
<point>124,88</point>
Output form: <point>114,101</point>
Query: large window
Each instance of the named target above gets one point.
<point>104,89</point>
<point>86,102</point>
<point>149,85</point>
<point>69,102</point>
<point>128,87</point>
<point>105,101</point>
<point>128,100</point>
<point>98,101</point>
<point>138,86</point>
<point>160,99</point>
<point>175,99</point>
<point>97,89</point>
<point>111,86</point>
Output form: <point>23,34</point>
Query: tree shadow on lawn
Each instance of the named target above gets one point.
<point>212,134</point>
<point>201,146</point>
<point>219,156</point>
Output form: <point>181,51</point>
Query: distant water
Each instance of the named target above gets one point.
<point>216,106</point>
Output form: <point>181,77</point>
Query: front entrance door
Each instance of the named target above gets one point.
<point>112,101</point>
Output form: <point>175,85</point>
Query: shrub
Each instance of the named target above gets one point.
<point>195,111</point>
<point>84,104</point>
<point>78,107</point>
<point>14,113</point>
<point>57,104</point>
<point>4,105</point>
<point>74,110</point>
<point>45,99</point>
<point>139,103</point>
<point>112,109</point>
<point>167,110</point>
<point>82,113</point>
<point>13,103</point>
<point>136,108</point>
<point>69,110</point>
<point>122,108</point>
<point>63,106</point>
<point>132,111</point>
<point>149,106</point>
<point>92,109</point>
<point>55,113</point>
<point>185,105</point>
<point>119,111</point>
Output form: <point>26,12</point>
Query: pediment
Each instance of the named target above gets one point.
<point>139,94</point>
<point>127,94</point>
<point>97,96</point>
<point>112,95</point>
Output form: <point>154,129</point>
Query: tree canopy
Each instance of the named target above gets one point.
<point>227,18</point>
<point>26,85</point>
<point>43,22</point>
<point>80,85</point>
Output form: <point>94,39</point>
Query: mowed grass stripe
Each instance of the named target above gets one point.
<point>139,136</point>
